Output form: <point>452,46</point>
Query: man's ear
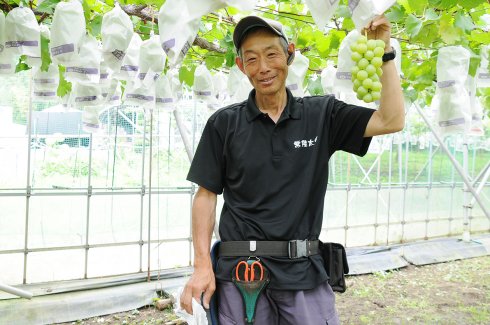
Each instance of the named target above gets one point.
<point>239,63</point>
<point>291,49</point>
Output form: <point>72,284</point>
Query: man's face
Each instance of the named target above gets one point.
<point>264,62</point>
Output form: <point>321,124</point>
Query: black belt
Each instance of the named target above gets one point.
<point>292,248</point>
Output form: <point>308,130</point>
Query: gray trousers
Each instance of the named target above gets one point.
<point>280,307</point>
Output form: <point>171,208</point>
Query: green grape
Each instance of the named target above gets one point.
<point>375,95</point>
<point>376,86</point>
<point>380,43</point>
<point>361,48</point>
<point>379,51</point>
<point>368,98</point>
<point>361,91</point>
<point>355,56</point>
<point>362,63</point>
<point>379,71</point>
<point>371,44</point>
<point>369,55</point>
<point>367,83</point>
<point>377,62</point>
<point>353,47</point>
<point>356,84</point>
<point>370,69</point>
<point>361,75</point>
<point>361,39</point>
<point>354,70</point>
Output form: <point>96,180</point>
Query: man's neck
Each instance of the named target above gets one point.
<point>273,105</point>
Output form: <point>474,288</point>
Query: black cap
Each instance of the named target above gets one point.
<point>249,22</point>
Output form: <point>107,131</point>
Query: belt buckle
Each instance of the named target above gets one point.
<point>297,248</point>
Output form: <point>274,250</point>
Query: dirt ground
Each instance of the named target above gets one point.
<point>447,293</point>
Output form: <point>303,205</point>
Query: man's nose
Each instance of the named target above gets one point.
<point>263,66</point>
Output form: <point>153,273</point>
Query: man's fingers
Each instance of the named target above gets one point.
<point>186,300</point>
<point>207,297</point>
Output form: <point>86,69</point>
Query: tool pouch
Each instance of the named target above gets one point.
<point>335,262</point>
<point>250,292</point>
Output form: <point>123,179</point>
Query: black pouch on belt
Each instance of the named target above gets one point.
<point>335,262</point>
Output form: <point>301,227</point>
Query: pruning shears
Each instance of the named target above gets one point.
<point>250,269</point>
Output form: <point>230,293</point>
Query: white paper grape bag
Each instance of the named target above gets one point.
<point>130,64</point>
<point>342,80</point>
<point>476,128</point>
<point>398,58</point>
<point>177,32</point>
<point>363,11</point>
<point>87,67</point>
<point>239,86</point>
<point>45,83</point>
<point>111,93</point>
<point>7,59</point>
<point>328,79</point>
<point>105,74</point>
<point>67,30</point>
<point>117,32</point>
<point>163,92</point>
<point>85,94</point>
<point>203,84</point>
<point>220,81</point>
<point>2,31</point>
<point>178,23</point>
<point>322,11</point>
<point>482,73</point>
<point>138,95</point>
<point>90,118</point>
<point>151,62</point>
<point>22,33</point>
<point>451,100</point>
<point>296,74</point>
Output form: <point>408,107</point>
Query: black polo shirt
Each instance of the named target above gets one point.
<point>274,176</point>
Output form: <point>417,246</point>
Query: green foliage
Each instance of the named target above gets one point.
<point>421,26</point>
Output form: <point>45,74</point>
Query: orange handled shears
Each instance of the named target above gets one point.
<point>249,271</point>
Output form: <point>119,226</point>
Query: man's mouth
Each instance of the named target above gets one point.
<point>267,81</point>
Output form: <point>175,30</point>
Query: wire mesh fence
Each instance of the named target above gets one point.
<point>77,203</point>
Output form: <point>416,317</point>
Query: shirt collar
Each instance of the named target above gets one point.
<point>292,109</point>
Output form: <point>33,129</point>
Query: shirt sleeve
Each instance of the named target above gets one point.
<point>347,126</point>
<point>207,166</point>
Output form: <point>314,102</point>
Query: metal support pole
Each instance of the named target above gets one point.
<point>15,291</point>
<point>89,196</point>
<point>149,194</point>
<point>455,163</point>
<point>143,192</point>
<point>28,182</point>
<point>466,206</point>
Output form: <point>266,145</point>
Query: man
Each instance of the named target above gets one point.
<point>269,157</point>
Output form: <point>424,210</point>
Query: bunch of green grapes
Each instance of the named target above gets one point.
<point>367,55</point>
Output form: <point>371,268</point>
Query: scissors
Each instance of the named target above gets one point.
<point>249,273</point>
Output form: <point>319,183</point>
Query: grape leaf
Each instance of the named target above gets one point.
<point>430,14</point>
<point>464,22</point>
<point>418,6</point>
<point>315,87</point>
<point>449,33</point>
<point>186,74</point>
<point>470,4</point>
<point>47,6</point>
<point>413,25</point>
<point>396,14</point>
<point>64,87</point>
<point>480,36</point>
<point>45,55</point>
